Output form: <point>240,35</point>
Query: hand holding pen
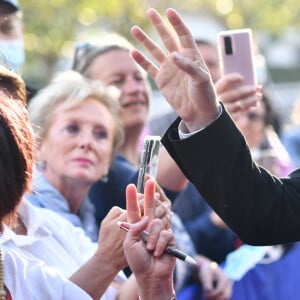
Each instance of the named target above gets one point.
<point>152,266</point>
<point>171,250</point>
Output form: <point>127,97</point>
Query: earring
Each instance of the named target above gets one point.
<point>41,165</point>
<point>104,178</point>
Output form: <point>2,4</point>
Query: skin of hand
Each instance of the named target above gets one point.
<point>162,204</point>
<point>109,257</point>
<point>163,207</point>
<point>153,268</point>
<point>215,283</point>
<point>237,98</point>
<point>110,240</point>
<point>180,73</point>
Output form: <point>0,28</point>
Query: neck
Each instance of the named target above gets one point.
<point>130,147</point>
<point>74,191</point>
<point>75,195</point>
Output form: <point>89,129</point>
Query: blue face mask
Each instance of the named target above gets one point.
<point>12,54</point>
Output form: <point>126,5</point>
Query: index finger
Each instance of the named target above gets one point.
<point>150,201</point>
<point>132,204</point>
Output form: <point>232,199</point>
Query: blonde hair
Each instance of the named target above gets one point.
<point>67,90</point>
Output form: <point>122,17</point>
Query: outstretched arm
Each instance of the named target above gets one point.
<point>259,207</point>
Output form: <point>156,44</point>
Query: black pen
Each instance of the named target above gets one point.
<point>170,250</point>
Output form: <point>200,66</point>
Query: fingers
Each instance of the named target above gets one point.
<point>159,238</point>
<point>185,37</point>
<point>216,284</point>
<point>235,96</point>
<point>237,93</point>
<point>153,48</point>
<point>132,204</point>
<point>162,196</point>
<point>136,229</point>
<point>228,80</point>
<point>164,213</point>
<point>196,69</point>
<point>206,274</point>
<point>150,199</point>
<point>115,213</point>
<point>146,64</point>
<point>167,37</point>
<point>173,43</point>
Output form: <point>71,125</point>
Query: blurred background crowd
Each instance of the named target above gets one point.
<point>60,35</point>
<point>52,28</point>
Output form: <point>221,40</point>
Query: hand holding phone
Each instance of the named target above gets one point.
<point>236,54</point>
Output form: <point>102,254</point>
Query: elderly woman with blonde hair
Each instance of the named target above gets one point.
<point>77,128</point>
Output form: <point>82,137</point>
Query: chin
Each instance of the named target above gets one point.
<point>85,178</point>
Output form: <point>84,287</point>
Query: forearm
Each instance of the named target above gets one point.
<point>169,175</point>
<point>94,276</point>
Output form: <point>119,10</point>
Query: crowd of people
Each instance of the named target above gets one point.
<point>69,162</point>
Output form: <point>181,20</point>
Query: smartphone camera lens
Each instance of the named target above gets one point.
<point>228,45</point>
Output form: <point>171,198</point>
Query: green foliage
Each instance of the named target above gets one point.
<point>53,26</point>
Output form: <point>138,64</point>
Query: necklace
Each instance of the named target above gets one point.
<point>19,227</point>
<point>2,289</point>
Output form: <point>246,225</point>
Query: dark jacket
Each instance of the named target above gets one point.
<point>260,208</point>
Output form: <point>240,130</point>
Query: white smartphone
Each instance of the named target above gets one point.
<point>236,54</point>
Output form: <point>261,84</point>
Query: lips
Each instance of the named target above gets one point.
<point>83,161</point>
<point>133,103</point>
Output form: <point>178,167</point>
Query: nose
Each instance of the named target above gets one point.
<point>86,141</point>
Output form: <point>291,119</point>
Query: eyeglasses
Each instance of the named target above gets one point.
<point>85,53</point>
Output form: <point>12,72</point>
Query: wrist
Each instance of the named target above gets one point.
<point>173,297</point>
<point>107,266</point>
<point>158,291</point>
<point>186,129</point>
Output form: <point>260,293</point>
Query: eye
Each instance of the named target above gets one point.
<point>100,134</point>
<point>117,82</point>
<point>138,77</point>
<point>72,128</point>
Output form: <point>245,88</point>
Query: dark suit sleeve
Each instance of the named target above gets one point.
<point>260,208</point>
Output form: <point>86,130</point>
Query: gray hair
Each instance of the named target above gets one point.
<point>85,53</point>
